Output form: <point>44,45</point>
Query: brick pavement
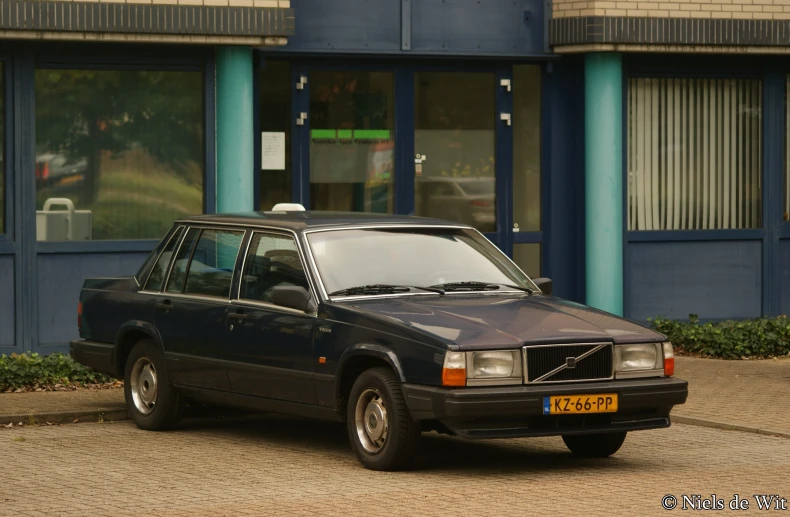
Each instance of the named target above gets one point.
<point>295,467</point>
<point>753,394</point>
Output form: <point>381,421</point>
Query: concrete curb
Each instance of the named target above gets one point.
<point>726,426</point>
<point>67,417</point>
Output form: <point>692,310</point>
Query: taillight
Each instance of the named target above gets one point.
<point>79,315</point>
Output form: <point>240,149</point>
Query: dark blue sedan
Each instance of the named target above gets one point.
<point>394,325</point>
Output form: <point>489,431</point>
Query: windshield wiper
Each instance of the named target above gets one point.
<point>479,286</point>
<point>383,289</point>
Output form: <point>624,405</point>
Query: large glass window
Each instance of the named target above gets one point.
<point>694,153</point>
<point>273,260</point>
<point>275,121</point>
<point>454,139</point>
<point>119,154</point>
<point>526,147</point>
<point>352,142</point>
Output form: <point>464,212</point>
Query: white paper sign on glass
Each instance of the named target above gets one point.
<point>272,151</point>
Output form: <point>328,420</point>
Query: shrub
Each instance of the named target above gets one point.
<point>757,338</point>
<point>25,371</point>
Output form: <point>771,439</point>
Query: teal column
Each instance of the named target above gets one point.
<point>235,139</point>
<point>603,176</point>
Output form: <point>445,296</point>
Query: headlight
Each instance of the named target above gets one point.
<point>642,360</point>
<point>482,368</point>
<point>494,367</point>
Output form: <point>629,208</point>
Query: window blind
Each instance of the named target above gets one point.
<point>694,153</point>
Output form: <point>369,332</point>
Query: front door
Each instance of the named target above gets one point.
<point>270,348</point>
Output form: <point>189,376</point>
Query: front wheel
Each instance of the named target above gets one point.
<point>153,402</point>
<point>594,445</point>
<point>380,428</point>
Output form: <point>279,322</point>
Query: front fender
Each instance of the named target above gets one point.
<point>379,351</point>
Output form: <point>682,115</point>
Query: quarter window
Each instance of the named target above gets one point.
<point>157,276</point>
<point>273,260</point>
<point>175,284</point>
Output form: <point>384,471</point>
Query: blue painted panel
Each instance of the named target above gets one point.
<point>346,25</point>
<point>477,26</point>
<point>7,313</point>
<point>784,277</point>
<point>60,278</point>
<point>716,280</point>
<point>405,27</point>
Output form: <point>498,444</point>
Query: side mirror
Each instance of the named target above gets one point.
<point>294,297</point>
<point>544,284</point>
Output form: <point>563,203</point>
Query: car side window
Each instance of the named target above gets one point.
<point>157,276</point>
<point>272,260</point>
<point>178,272</point>
<point>210,270</point>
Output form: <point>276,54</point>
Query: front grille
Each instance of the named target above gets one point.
<point>540,360</point>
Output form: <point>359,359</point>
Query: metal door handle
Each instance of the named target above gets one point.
<point>239,316</point>
<point>165,305</point>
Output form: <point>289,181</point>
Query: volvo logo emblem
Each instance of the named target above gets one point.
<point>570,362</point>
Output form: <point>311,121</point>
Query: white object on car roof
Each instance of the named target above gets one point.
<point>288,207</point>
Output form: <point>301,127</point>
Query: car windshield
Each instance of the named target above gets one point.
<point>409,257</point>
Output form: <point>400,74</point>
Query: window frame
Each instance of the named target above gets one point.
<point>178,233</point>
<point>236,296</point>
<point>7,226</point>
<point>107,58</point>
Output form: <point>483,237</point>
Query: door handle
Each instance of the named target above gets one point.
<point>238,316</point>
<point>164,305</point>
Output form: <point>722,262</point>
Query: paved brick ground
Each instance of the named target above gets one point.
<point>746,393</point>
<point>294,467</point>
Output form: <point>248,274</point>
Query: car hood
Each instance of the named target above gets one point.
<point>491,321</point>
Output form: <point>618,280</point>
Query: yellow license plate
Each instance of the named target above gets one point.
<point>569,404</point>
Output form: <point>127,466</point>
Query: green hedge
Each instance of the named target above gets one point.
<point>26,371</point>
<point>757,338</point>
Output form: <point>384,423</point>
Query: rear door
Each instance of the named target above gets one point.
<point>190,313</point>
<point>271,347</point>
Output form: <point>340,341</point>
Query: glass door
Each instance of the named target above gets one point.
<point>455,147</point>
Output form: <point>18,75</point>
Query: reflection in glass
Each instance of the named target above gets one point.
<point>527,257</point>
<point>178,273</point>
<point>275,119</point>
<point>454,118</point>
<point>526,147</point>
<point>125,148</point>
<point>158,272</point>
<point>352,142</point>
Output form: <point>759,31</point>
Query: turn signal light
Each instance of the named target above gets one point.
<point>454,369</point>
<point>669,360</point>
<point>79,315</point>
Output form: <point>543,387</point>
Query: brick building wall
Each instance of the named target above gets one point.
<point>723,9</point>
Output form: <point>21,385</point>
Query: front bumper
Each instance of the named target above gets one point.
<point>98,356</point>
<point>511,411</point>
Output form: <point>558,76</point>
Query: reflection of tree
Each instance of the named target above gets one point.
<point>85,113</point>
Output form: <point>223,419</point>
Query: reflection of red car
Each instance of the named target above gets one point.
<point>55,170</point>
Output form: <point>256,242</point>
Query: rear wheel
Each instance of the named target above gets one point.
<point>153,403</point>
<point>594,445</point>
<point>380,428</point>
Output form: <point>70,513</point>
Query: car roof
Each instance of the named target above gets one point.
<point>303,220</point>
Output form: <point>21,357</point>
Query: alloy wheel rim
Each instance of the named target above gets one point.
<point>372,422</point>
<point>144,385</point>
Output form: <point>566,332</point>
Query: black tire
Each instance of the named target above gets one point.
<point>402,433</point>
<point>168,405</point>
<point>594,445</point>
